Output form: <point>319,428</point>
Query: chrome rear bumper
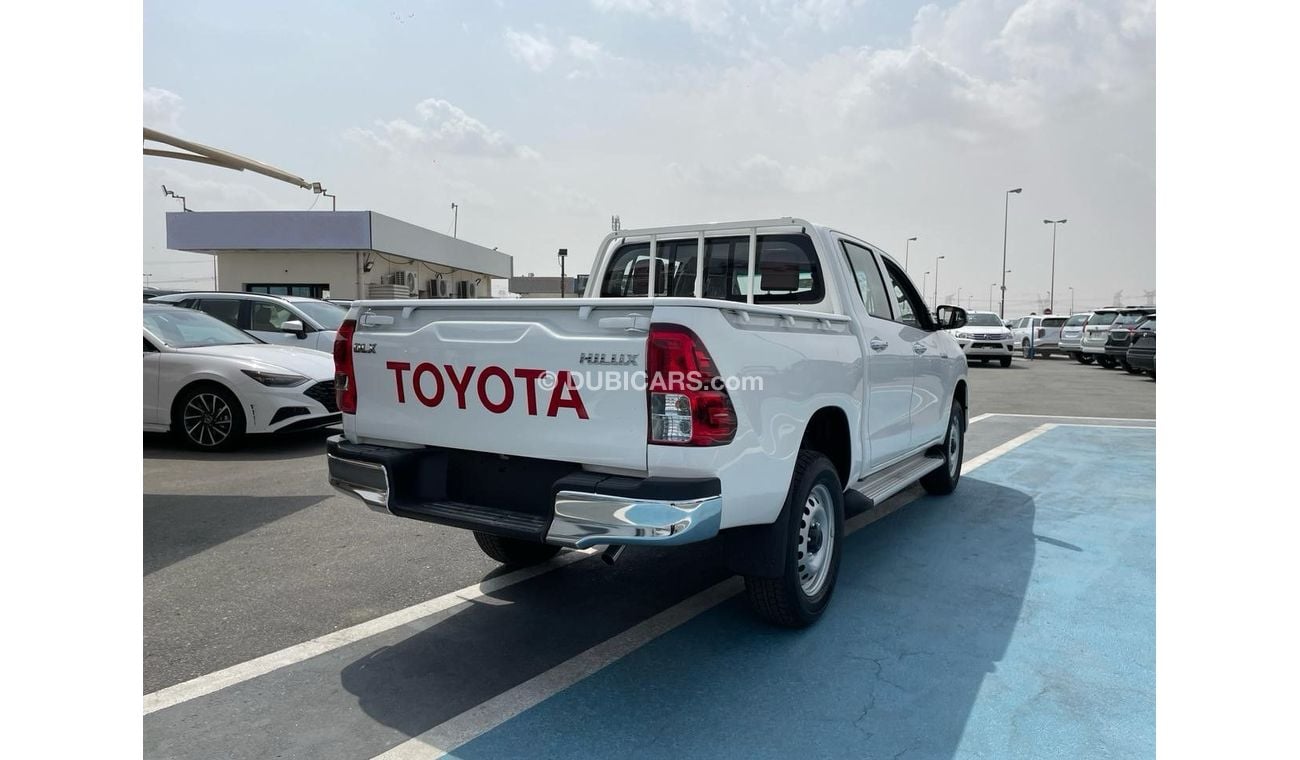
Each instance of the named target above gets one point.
<point>591,519</point>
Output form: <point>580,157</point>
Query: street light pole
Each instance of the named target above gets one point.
<point>923,281</point>
<point>937,259</point>
<point>563,254</point>
<point>1006,209</point>
<point>907,251</point>
<point>455,219</point>
<point>1051,293</point>
<point>992,285</point>
<point>1071,299</point>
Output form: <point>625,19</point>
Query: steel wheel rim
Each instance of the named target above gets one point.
<point>954,445</point>
<point>208,419</point>
<point>816,540</point>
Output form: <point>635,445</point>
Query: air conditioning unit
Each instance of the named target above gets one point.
<point>439,289</point>
<point>465,289</point>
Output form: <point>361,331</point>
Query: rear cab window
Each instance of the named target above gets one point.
<point>787,270</point>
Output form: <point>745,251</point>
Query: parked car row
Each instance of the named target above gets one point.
<point>219,366</point>
<point>1112,337</point>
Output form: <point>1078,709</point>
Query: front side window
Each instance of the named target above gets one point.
<point>267,316</point>
<point>871,286</point>
<point>909,307</point>
<point>787,270</point>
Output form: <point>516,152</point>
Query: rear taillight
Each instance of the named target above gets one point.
<point>686,398</point>
<point>345,380</point>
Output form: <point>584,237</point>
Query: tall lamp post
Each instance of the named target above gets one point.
<point>1051,293</point>
<point>907,251</point>
<point>455,219</point>
<point>924,277</point>
<point>992,285</point>
<point>1071,299</point>
<point>1006,209</point>
<point>937,259</point>
<point>563,254</point>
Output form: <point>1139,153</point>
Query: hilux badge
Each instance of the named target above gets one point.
<point>612,360</point>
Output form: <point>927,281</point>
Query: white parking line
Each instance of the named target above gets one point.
<point>442,739</point>
<point>1062,417</point>
<point>221,679</point>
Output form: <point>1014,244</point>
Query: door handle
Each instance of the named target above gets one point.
<point>918,348</point>
<point>878,345</point>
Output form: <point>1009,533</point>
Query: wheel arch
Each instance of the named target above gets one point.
<point>200,382</point>
<point>828,432</point>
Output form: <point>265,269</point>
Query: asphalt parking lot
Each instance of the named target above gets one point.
<point>1014,618</point>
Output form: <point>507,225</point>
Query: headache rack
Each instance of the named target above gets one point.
<point>699,231</point>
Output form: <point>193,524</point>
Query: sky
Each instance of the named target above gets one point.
<point>884,118</point>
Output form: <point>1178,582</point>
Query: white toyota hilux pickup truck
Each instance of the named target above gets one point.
<point>680,399</point>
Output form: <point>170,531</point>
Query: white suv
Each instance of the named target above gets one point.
<point>984,337</point>
<point>286,320</point>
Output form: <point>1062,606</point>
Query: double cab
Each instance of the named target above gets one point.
<point>725,381</point>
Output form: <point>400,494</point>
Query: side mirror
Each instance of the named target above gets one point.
<point>950,317</point>
<point>294,326</point>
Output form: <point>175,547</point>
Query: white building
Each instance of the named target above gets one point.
<point>335,254</point>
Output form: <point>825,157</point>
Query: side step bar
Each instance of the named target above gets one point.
<point>887,482</point>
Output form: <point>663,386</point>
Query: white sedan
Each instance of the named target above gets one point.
<point>210,383</point>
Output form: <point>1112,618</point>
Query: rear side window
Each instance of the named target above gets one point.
<point>787,270</point>
<point>1054,322</point>
<point>225,309</point>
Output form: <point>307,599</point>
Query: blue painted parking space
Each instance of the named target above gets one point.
<point>1015,618</point>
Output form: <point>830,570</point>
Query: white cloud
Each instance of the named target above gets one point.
<point>534,50</point>
<point>162,109</point>
<point>712,16</point>
<point>442,129</point>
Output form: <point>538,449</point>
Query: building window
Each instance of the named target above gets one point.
<point>303,290</point>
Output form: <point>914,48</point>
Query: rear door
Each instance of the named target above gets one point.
<point>556,381</point>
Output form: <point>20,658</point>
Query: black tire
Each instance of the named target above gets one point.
<point>942,481</point>
<point>1024,349</point>
<point>1129,368</point>
<point>801,594</point>
<point>1005,361</point>
<point>984,362</point>
<point>208,417</point>
<point>1153,374</point>
<point>1082,358</point>
<point>1045,355</point>
<point>513,551</point>
<point>1105,362</point>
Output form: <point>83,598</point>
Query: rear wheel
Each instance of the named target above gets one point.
<point>1129,368</point>
<point>208,417</point>
<point>1024,349</point>
<point>1106,362</point>
<point>1005,361</point>
<point>514,551</point>
<point>1082,358</point>
<point>814,514</point>
<point>943,480</point>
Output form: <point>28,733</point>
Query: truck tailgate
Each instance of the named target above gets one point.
<point>523,380</point>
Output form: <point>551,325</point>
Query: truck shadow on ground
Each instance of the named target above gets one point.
<point>178,526</point>
<point>927,601</point>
